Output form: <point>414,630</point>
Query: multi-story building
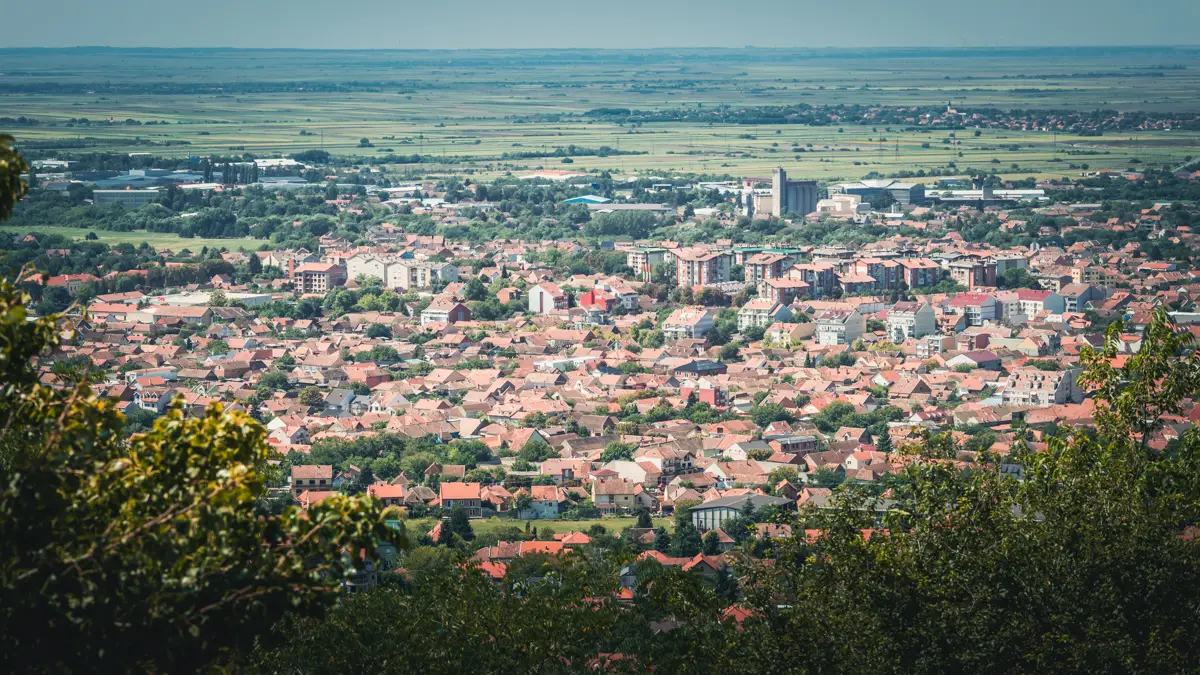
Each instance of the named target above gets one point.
<point>688,322</point>
<point>700,267</point>
<point>839,326</point>
<point>643,260</point>
<point>910,320</point>
<point>318,277</point>
<point>762,312</point>
<point>920,272</point>
<point>784,291</point>
<point>972,273</point>
<point>402,273</point>
<point>886,273</point>
<point>821,277</point>
<point>130,199</point>
<point>445,311</point>
<point>1031,386</point>
<point>547,297</point>
<point>977,307</point>
<point>766,265</point>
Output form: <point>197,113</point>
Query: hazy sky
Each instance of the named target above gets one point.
<point>461,24</point>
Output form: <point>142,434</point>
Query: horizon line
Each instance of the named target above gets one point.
<point>1053,47</point>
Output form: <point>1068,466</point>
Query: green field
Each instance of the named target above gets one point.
<point>159,240</point>
<point>470,107</point>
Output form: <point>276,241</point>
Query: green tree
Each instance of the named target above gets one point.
<point>460,525</point>
<point>153,554</point>
<point>617,450</point>
<point>311,396</point>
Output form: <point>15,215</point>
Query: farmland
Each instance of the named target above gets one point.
<point>463,111</point>
<point>157,240</point>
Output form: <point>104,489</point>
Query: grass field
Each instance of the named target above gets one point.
<point>159,240</point>
<point>470,107</point>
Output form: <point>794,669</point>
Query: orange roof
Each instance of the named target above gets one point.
<point>458,491</point>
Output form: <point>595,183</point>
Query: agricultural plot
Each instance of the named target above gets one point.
<point>475,110</point>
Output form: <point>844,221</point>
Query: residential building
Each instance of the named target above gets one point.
<point>1073,298</point>
<point>1032,386</point>
<point>546,298</point>
<point>701,267</point>
<point>463,496</point>
<point>839,327</point>
<point>762,312</point>
<point>445,311</point>
<point>910,320</point>
<point>973,273</point>
<point>766,265</point>
<point>688,322</point>
<point>642,260</point>
<point>318,277</point>
<point>976,307</point>
<point>311,478</point>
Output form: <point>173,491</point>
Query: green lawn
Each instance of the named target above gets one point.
<point>158,240</point>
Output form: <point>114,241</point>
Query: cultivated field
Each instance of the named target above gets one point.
<point>471,107</point>
<point>158,240</point>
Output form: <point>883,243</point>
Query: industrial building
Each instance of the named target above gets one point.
<point>798,197</point>
<point>905,194</point>
<point>130,199</point>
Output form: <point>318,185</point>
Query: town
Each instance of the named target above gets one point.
<point>589,382</point>
<point>817,404</point>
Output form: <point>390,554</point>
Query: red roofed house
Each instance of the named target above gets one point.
<point>464,496</point>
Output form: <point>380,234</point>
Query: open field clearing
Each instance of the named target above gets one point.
<point>470,108</point>
<point>158,240</point>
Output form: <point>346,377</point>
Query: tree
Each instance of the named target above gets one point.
<point>662,540</point>
<point>311,396</point>
<point>254,265</point>
<point>218,347</point>
<point>712,543</point>
<point>536,451</point>
<point>643,518</point>
<point>460,525</point>
<point>378,331</point>
<point>686,541</point>
<point>617,450</point>
<point>218,299</point>
<point>12,186</point>
<point>155,554</point>
<point>883,442</point>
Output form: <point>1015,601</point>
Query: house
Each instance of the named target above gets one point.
<point>976,307</point>
<point>463,496</point>
<point>548,501</point>
<point>705,391</point>
<point>619,495</point>
<point>716,512</point>
<point>388,495</point>
<point>1073,298</point>
<point>762,312</point>
<point>445,311</point>
<point>546,297</point>
<point>839,326</point>
<point>311,478</point>
<point>910,320</point>
<point>688,322</point>
<point>976,359</point>
<point>1031,386</point>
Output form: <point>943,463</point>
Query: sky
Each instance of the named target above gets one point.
<point>466,24</point>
